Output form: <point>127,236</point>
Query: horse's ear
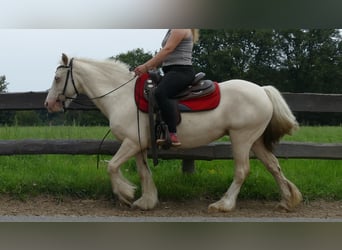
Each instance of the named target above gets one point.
<point>65,59</point>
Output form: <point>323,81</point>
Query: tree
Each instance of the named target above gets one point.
<point>133,57</point>
<point>6,117</point>
<point>3,84</point>
<point>311,60</point>
<point>292,60</point>
<point>228,54</point>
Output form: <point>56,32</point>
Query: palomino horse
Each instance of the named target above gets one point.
<point>254,117</point>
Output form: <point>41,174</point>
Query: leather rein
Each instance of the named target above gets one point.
<point>62,97</point>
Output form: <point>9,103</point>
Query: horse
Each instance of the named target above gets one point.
<point>254,117</point>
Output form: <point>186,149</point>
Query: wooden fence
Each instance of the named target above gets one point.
<point>297,102</point>
<point>306,102</point>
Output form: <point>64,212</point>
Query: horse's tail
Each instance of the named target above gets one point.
<point>282,121</point>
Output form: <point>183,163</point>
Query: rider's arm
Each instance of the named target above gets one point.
<point>176,36</point>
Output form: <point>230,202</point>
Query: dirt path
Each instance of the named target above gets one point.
<point>50,206</point>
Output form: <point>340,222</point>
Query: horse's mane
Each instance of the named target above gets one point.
<point>108,65</point>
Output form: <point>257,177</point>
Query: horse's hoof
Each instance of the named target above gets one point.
<point>145,204</point>
<point>125,201</point>
<point>219,207</point>
<point>213,209</point>
<point>282,208</point>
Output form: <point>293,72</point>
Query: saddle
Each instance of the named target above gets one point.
<point>198,88</point>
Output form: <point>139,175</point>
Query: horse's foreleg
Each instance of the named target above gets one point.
<point>149,197</point>
<point>290,194</point>
<point>241,159</point>
<point>120,185</point>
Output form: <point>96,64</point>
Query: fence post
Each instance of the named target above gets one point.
<point>188,166</point>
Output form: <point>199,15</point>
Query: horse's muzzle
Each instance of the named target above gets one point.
<point>53,106</point>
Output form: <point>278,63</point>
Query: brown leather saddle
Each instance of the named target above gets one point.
<point>198,88</point>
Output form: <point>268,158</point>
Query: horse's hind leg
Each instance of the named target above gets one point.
<point>149,197</point>
<point>241,143</point>
<point>290,194</point>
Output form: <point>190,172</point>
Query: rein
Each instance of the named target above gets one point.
<point>62,97</point>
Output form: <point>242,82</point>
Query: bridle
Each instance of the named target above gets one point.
<point>62,97</point>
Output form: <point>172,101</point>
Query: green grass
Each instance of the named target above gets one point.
<point>52,174</point>
<point>53,132</point>
<point>317,134</point>
<point>59,175</point>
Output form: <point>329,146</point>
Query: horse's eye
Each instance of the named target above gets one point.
<point>57,78</point>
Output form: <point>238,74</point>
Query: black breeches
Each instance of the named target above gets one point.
<point>176,79</point>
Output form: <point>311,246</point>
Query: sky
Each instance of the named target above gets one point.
<point>34,34</point>
<point>29,57</point>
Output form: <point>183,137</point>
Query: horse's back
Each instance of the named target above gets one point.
<point>240,85</point>
<point>243,91</point>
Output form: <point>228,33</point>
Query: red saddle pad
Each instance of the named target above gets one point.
<point>203,103</point>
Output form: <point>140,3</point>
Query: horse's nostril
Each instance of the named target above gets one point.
<point>46,104</point>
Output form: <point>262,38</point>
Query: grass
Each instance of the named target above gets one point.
<point>51,132</point>
<point>77,176</point>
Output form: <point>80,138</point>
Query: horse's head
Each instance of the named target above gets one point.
<point>63,89</point>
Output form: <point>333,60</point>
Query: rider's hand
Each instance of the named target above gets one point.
<point>141,69</point>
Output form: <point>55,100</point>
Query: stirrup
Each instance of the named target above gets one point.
<point>176,144</point>
<point>160,141</point>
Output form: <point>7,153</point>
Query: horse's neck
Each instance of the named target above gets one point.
<point>96,82</point>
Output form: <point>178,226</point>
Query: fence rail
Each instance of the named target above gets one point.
<point>217,150</point>
<point>301,102</point>
<point>298,102</point>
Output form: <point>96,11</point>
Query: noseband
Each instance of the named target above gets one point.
<point>62,97</point>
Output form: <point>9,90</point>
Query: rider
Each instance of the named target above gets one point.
<point>175,57</point>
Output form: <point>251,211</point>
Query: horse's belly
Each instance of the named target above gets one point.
<point>202,127</point>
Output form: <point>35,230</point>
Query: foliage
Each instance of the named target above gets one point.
<point>85,118</point>
<point>134,57</point>
<point>295,60</point>
<point>311,60</point>
<point>292,60</point>
<point>6,117</point>
<point>27,118</point>
<point>228,54</point>
<point>3,84</point>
